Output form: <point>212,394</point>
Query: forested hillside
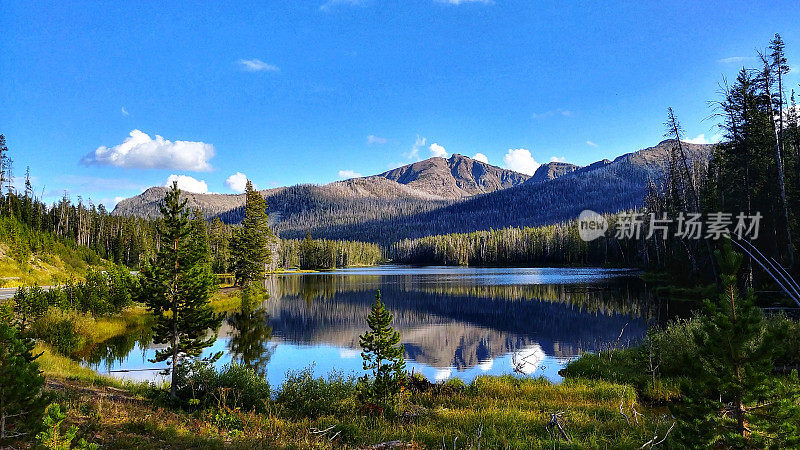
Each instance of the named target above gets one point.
<point>379,210</point>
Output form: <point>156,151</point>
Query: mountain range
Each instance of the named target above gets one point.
<point>438,195</point>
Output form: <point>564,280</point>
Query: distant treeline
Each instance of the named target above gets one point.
<point>327,254</point>
<point>558,244</point>
<point>554,244</point>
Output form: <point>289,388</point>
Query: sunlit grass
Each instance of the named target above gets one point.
<point>226,300</point>
<point>40,268</point>
<point>56,365</point>
<point>493,412</point>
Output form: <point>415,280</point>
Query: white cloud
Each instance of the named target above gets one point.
<point>591,144</point>
<point>551,113</point>
<point>124,111</point>
<point>117,200</point>
<point>735,59</point>
<point>331,4</point>
<point>237,182</point>
<point>372,139</point>
<point>257,65</point>
<point>481,157</point>
<point>188,184</point>
<point>701,139</point>
<point>348,174</point>
<point>438,150</point>
<point>558,159</point>
<point>520,160</point>
<point>142,152</point>
<point>414,152</point>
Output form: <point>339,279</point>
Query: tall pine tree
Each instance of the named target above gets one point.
<point>176,286</point>
<point>249,248</point>
<point>730,397</point>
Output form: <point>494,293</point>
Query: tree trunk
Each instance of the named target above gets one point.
<point>173,384</point>
<point>779,161</point>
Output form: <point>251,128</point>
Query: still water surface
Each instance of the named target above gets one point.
<point>455,322</point>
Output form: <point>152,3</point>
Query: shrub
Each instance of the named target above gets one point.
<point>66,331</point>
<point>53,438</point>
<point>200,385</point>
<point>788,352</point>
<point>22,401</point>
<point>29,304</point>
<point>303,395</point>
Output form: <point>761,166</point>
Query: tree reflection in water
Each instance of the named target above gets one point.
<point>249,340</point>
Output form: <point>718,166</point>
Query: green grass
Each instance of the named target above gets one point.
<point>41,269</point>
<point>493,412</point>
<point>56,365</point>
<point>226,300</point>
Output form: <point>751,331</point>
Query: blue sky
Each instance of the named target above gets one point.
<point>309,91</point>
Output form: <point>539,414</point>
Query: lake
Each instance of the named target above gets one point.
<point>454,321</point>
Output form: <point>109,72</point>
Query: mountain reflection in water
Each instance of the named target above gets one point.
<point>460,322</point>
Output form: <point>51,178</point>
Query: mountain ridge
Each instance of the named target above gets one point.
<point>379,209</point>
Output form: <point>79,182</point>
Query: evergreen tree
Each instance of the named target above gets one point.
<point>218,239</point>
<point>250,253</point>
<point>309,254</point>
<point>54,438</point>
<point>176,287</point>
<point>383,356</point>
<point>22,401</point>
<point>732,400</point>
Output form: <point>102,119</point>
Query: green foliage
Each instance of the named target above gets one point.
<point>59,329</point>
<point>200,385</point>
<point>219,237</point>
<point>302,395</point>
<point>52,236</point>
<point>383,357</point>
<point>757,166</point>
<point>325,254</point>
<point>731,400</point>
<point>53,438</point>
<point>22,401</point>
<point>29,305</point>
<point>551,244</point>
<point>176,286</point>
<point>106,292</point>
<point>249,248</point>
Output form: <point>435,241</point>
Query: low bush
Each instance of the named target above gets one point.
<point>66,331</point>
<point>234,386</point>
<point>102,293</point>
<point>302,395</point>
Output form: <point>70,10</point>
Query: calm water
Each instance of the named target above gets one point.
<point>454,321</point>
